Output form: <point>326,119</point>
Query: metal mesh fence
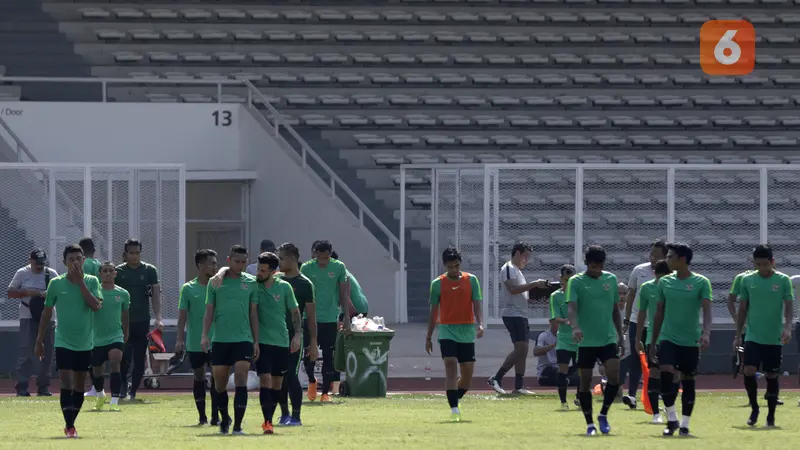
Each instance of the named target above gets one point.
<point>49,206</point>
<point>718,210</point>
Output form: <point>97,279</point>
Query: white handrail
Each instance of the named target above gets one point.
<point>277,121</point>
<point>306,151</point>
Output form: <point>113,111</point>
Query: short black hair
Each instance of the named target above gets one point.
<point>682,250</point>
<point>662,268</point>
<point>567,269</point>
<point>661,244</point>
<point>267,246</point>
<point>323,246</point>
<point>334,255</point>
<point>314,245</point>
<point>201,255</point>
<point>240,249</point>
<point>291,249</point>
<point>72,248</point>
<point>270,259</point>
<point>87,244</point>
<point>451,254</point>
<point>594,254</point>
<point>521,247</point>
<point>108,263</point>
<point>132,242</point>
<point>762,251</point>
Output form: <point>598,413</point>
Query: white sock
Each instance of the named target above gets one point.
<point>672,415</point>
<point>685,421</point>
<point>92,392</point>
<point>114,400</point>
<point>455,410</point>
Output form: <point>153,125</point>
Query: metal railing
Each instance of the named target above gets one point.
<point>306,153</point>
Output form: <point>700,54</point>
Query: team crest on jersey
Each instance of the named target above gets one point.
<point>276,297</point>
<point>331,274</point>
<point>689,287</point>
<point>244,286</point>
<point>774,288</point>
<point>141,277</point>
<point>606,286</point>
<point>117,298</point>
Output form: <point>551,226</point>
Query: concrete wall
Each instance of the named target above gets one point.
<point>288,205</point>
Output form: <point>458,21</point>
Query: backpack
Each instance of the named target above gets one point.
<point>36,304</point>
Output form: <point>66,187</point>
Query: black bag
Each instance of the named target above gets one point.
<point>36,304</point>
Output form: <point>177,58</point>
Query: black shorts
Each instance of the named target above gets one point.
<point>768,358</point>
<point>273,360</point>
<point>76,361</point>
<point>229,353</point>
<point>685,359</point>
<point>198,360</point>
<point>566,357</point>
<point>518,328</point>
<point>463,352</point>
<point>589,356</point>
<point>100,354</point>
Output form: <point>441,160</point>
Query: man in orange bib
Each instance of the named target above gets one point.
<point>456,304</point>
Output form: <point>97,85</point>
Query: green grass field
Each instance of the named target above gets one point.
<point>400,421</point>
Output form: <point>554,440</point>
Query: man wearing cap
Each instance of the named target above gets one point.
<point>266,246</point>
<point>29,284</point>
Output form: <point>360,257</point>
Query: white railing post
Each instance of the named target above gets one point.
<point>434,220</point>
<point>457,242</point>
<point>104,87</point>
<point>578,217</point>
<point>496,244</point>
<point>181,225</point>
<point>671,204</point>
<point>52,209</point>
<point>133,190</point>
<point>402,300</point>
<point>87,201</point>
<point>764,206</point>
<point>487,240</point>
<point>109,217</point>
<point>159,216</point>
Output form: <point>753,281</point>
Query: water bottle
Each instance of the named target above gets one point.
<point>380,324</point>
<point>427,373</point>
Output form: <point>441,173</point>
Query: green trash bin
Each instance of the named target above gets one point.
<point>363,357</point>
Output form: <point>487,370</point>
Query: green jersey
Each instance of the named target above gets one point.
<point>682,301</point>
<point>192,299</point>
<point>765,298</point>
<point>303,293</point>
<point>75,324</point>
<point>595,301</point>
<point>108,319</point>
<point>91,266</point>
<point>139,282</point>
<point>648,292</point>
<point>326,284</point>
<point>737,282</point>
<point>559,310</point>
<point>232,308</point>
<point>357,296</point>
<point>461,333</point>
<point>274,303</point>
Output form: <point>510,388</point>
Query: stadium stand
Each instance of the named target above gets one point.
<point>372,85</point>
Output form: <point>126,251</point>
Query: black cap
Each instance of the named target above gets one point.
<point>39,256</point>
<point>267,246</point>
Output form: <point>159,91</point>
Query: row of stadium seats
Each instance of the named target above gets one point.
<point>527,3</point>
<point>541,140</point>
<point>390,159</point>
<point>406,17</point>
<point>446,37</point>
<point>543,122</point>
<point>542,81</point>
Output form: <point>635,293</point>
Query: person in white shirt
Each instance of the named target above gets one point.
<point>30,285</point>
<point>547,362</point>
<point>514,300</point>
<point>266,246</point>
<point>639,275</point>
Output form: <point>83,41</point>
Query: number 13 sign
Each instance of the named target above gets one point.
<point>727,47</point>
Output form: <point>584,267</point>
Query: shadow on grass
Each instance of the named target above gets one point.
<point>450,422</point>
<point>661,436</point>
<point>237,436</point>
<point>322,405</point>
<point>755,428</point>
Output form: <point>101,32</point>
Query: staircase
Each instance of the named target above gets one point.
<point>32,45</point>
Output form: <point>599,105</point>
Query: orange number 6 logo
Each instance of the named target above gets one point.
<point>727,47</point>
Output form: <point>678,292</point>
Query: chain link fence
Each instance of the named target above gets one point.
<point>49,206</point>
<point>722,211</point>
